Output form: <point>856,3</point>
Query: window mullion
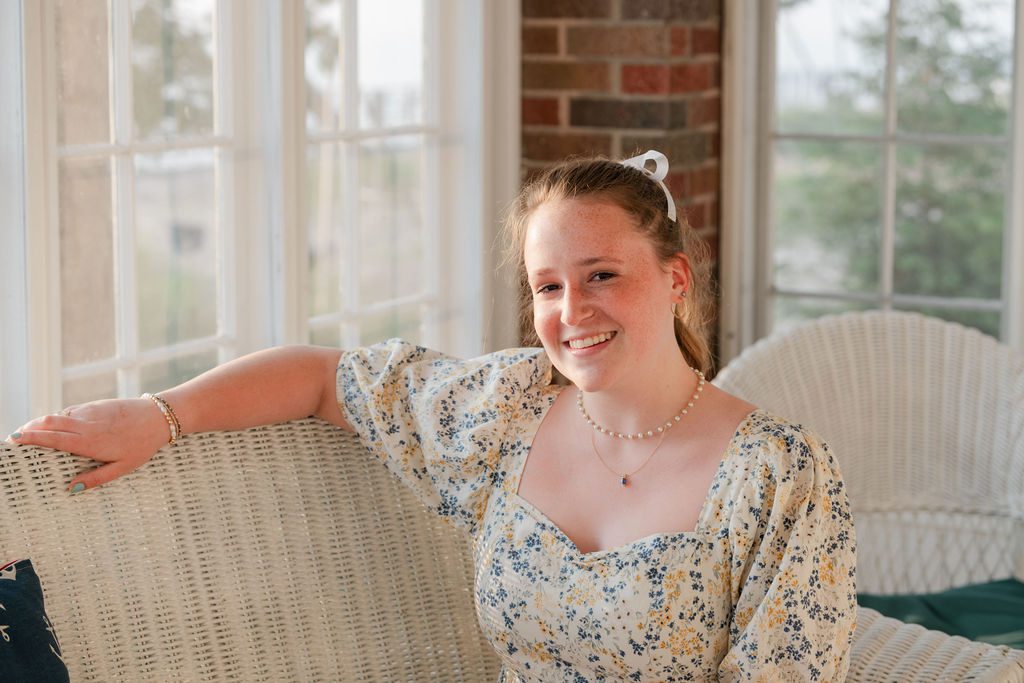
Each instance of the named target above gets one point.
<point>230,86</point>
<point>431,184</point>
<point>740,147</point>
<point>42,253</point>
<point>125,285</point>
<point>887,252</point>
<point>1013,237</point>
<point>765,281</point>
<point>284,171</point>
<point>350,168</point>
<point>14,338</point>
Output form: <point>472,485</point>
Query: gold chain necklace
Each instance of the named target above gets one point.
<point>624,476</point>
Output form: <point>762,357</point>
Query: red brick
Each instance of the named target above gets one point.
<point>705,111</point>
<point>693,77</point>
<point>702,181</point>
<point>680,40</point>
<point>557,9</point>
<point>557,146</point>
<point>618,41</point>
<point>645,79</point>
<point>685,10</point>
<point>542,111</point>
<point>676,183</point>
<point>682,147</point>
<point>696,215</point>
<point>706,41</point>
<point>540,40</point>
<point>566,76</point>
<point>694,10</point>
<point>627,113</point>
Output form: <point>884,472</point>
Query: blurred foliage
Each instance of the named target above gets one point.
<point>953,75</point>
<point>172,69</point>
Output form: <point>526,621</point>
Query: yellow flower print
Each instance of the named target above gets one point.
<point>684,640</point>
<point>387,395</point>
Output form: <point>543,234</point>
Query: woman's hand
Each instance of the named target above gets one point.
<point>122,433</point>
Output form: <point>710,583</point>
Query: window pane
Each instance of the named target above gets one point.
<point>402,321</point>
<point>323,65</point>
<point>390,62</point>
<point>172,67</point>
<point>325,227</point>
<point>949,221</point>
<point>326,336</point>
<point>830,66</point>
<point>391,219</point>
<point>953,66</point>
<point>89,389</point>
<point>176,247</point>
<point>86,261</point>
<point>827,201</point>
<point>83,89</point>
<point>168,373</point>
<point>790,312</point>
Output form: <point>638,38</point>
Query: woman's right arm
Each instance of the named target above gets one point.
<point>268,386</point>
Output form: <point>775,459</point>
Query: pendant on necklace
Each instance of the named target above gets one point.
<point>624,480</point>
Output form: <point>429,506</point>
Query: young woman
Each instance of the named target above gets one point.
<point>636,524</point>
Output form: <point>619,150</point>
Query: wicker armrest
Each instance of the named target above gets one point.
<point>886,649</point>
<point>281,553</point>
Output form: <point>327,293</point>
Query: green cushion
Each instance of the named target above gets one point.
<point>987,612</point>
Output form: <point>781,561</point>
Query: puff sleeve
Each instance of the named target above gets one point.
<point>793,564</point>
<point>437,422</point>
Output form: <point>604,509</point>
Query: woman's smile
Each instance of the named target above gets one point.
<point>589,343</point>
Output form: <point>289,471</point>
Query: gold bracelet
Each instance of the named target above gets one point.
<point>172,420</point>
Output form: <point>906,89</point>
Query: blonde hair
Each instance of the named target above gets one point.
<point>630,189</point>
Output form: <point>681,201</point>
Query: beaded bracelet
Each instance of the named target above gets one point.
<point>172,420</point>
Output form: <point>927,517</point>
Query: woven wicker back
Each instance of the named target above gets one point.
<point>927,419</point>
<point>283,553</point>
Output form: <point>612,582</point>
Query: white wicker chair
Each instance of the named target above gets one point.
<point>927,420</point>
<point>286,553</point>
<point>282,553</point>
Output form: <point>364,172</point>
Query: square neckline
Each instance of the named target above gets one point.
<point>550,393</point>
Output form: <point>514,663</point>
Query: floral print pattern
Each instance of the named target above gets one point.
<point>762,590</point>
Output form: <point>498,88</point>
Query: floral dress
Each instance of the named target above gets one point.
<point>762,590</point>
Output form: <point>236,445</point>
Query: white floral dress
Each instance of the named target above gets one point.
<point>762,590</point>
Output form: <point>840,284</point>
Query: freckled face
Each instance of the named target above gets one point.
<point>601,299</point>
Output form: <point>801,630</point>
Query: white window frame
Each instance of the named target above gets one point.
<point>479,146</point>
<point>748,66</point>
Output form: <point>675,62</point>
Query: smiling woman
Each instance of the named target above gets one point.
<point>641,525</point>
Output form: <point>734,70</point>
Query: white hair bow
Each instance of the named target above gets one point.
<point>657,175</point>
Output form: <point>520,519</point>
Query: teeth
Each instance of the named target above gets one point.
<point>590,341</point>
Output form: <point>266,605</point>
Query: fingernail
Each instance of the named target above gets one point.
<point>15,435</point>
<point>78,488</point>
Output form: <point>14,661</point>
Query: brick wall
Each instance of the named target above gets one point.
<point>617,77</point>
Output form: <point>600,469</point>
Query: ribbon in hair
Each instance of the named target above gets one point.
<point>657,175</point>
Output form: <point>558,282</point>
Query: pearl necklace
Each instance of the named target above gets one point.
<point>651,432</point>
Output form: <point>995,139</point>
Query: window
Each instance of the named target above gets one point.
<point>885,168</point>
<point>203,178</point>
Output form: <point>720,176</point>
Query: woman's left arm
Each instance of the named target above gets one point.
<point>793,573</point>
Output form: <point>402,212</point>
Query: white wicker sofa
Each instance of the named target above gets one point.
<point>286,553</point>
